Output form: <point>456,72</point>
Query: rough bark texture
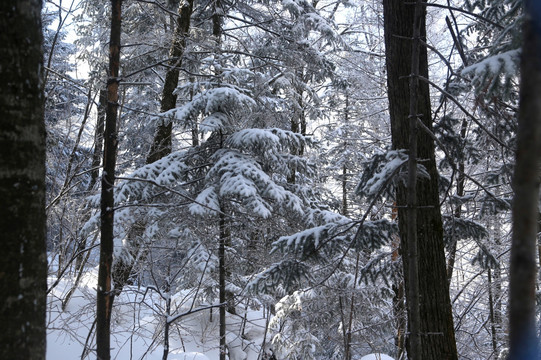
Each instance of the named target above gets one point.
<point>413,296</point>
<point>522,329</point>
<point>162,145</point>
<point>437,333</point>
<point>23,268</point>
<point>105,295</point>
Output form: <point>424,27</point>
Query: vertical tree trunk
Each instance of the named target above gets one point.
<point>167,324</point>
<point>523,340</point>
<point>349,331</point>
<point>492,314</point>
<point>436,322</point>
<point>23,268</point>
<point>344,166</point>
<point>458,211</point>
<point>162,146</point>
<point>98,139</point>
<point>105,294</point>
<point>94,173</point>
<point>224,237</point>
<point>412,256</point>
<point>399,307</point>
<point>298,126</point>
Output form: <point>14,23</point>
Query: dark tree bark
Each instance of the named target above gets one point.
<point>460,182</point>
<point>437,340</point>
<point>298,126</point>
<point>105,294</point>
<point>162,146</point>
<point>98,139</point>
<point>523,340</point>
<point>23,268</point>
<point>399,306</point>
<point>224,239</point>
<point>225,235</point>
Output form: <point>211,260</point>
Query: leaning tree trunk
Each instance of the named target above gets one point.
<point>437,340</point>
<point>523,340</point>
<point>161,146</point>
<point>23,268</point>
<point>105,294</point>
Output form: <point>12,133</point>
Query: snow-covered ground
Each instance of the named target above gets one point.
<point>138,324</point>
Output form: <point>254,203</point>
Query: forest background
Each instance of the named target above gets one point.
<point>249,153</point>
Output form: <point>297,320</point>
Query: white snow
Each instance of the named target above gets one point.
<point>377,356</point>
<point>137,326</point>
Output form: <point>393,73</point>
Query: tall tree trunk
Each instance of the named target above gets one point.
<point>523,340</point>
<point>458,210</point>
<point>298,126</point>
<point>412,256</point>
<point>223,240</point>
<point>105,294</point>
<point>162,146</point>
<point>436,322</point>
<point>224,233</point>
<point>344,166</point>
<point>492,314</point>
<point>399,307</point>
<point>94,173</point>
<point>23,268</point>
<point>98,140</point>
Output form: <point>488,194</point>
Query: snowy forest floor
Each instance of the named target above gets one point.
<point>138,325</point>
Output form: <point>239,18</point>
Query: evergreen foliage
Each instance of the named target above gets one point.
<point>281,151</point>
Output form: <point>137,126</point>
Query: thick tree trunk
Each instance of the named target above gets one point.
<point>436,323</point>
<point>105,294</point>
<point>523,340</point>
<point>162,145</point>
<point>23,268</point>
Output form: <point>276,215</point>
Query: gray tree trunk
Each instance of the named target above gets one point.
<point>23,268</point>
<point>162,144</point>
<point>105,295</point>
<point>523,340</point>
<point>437,340</point>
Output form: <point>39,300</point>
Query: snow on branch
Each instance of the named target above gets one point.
<point>380,171</point>
<point>316,242</point>
<point>206,203</point>
<point>215,103</point>
<point>240,176</point>
<point>272,146</point>
<point>494,72</point>
<point>373,235</point>
<point>287,273</point>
